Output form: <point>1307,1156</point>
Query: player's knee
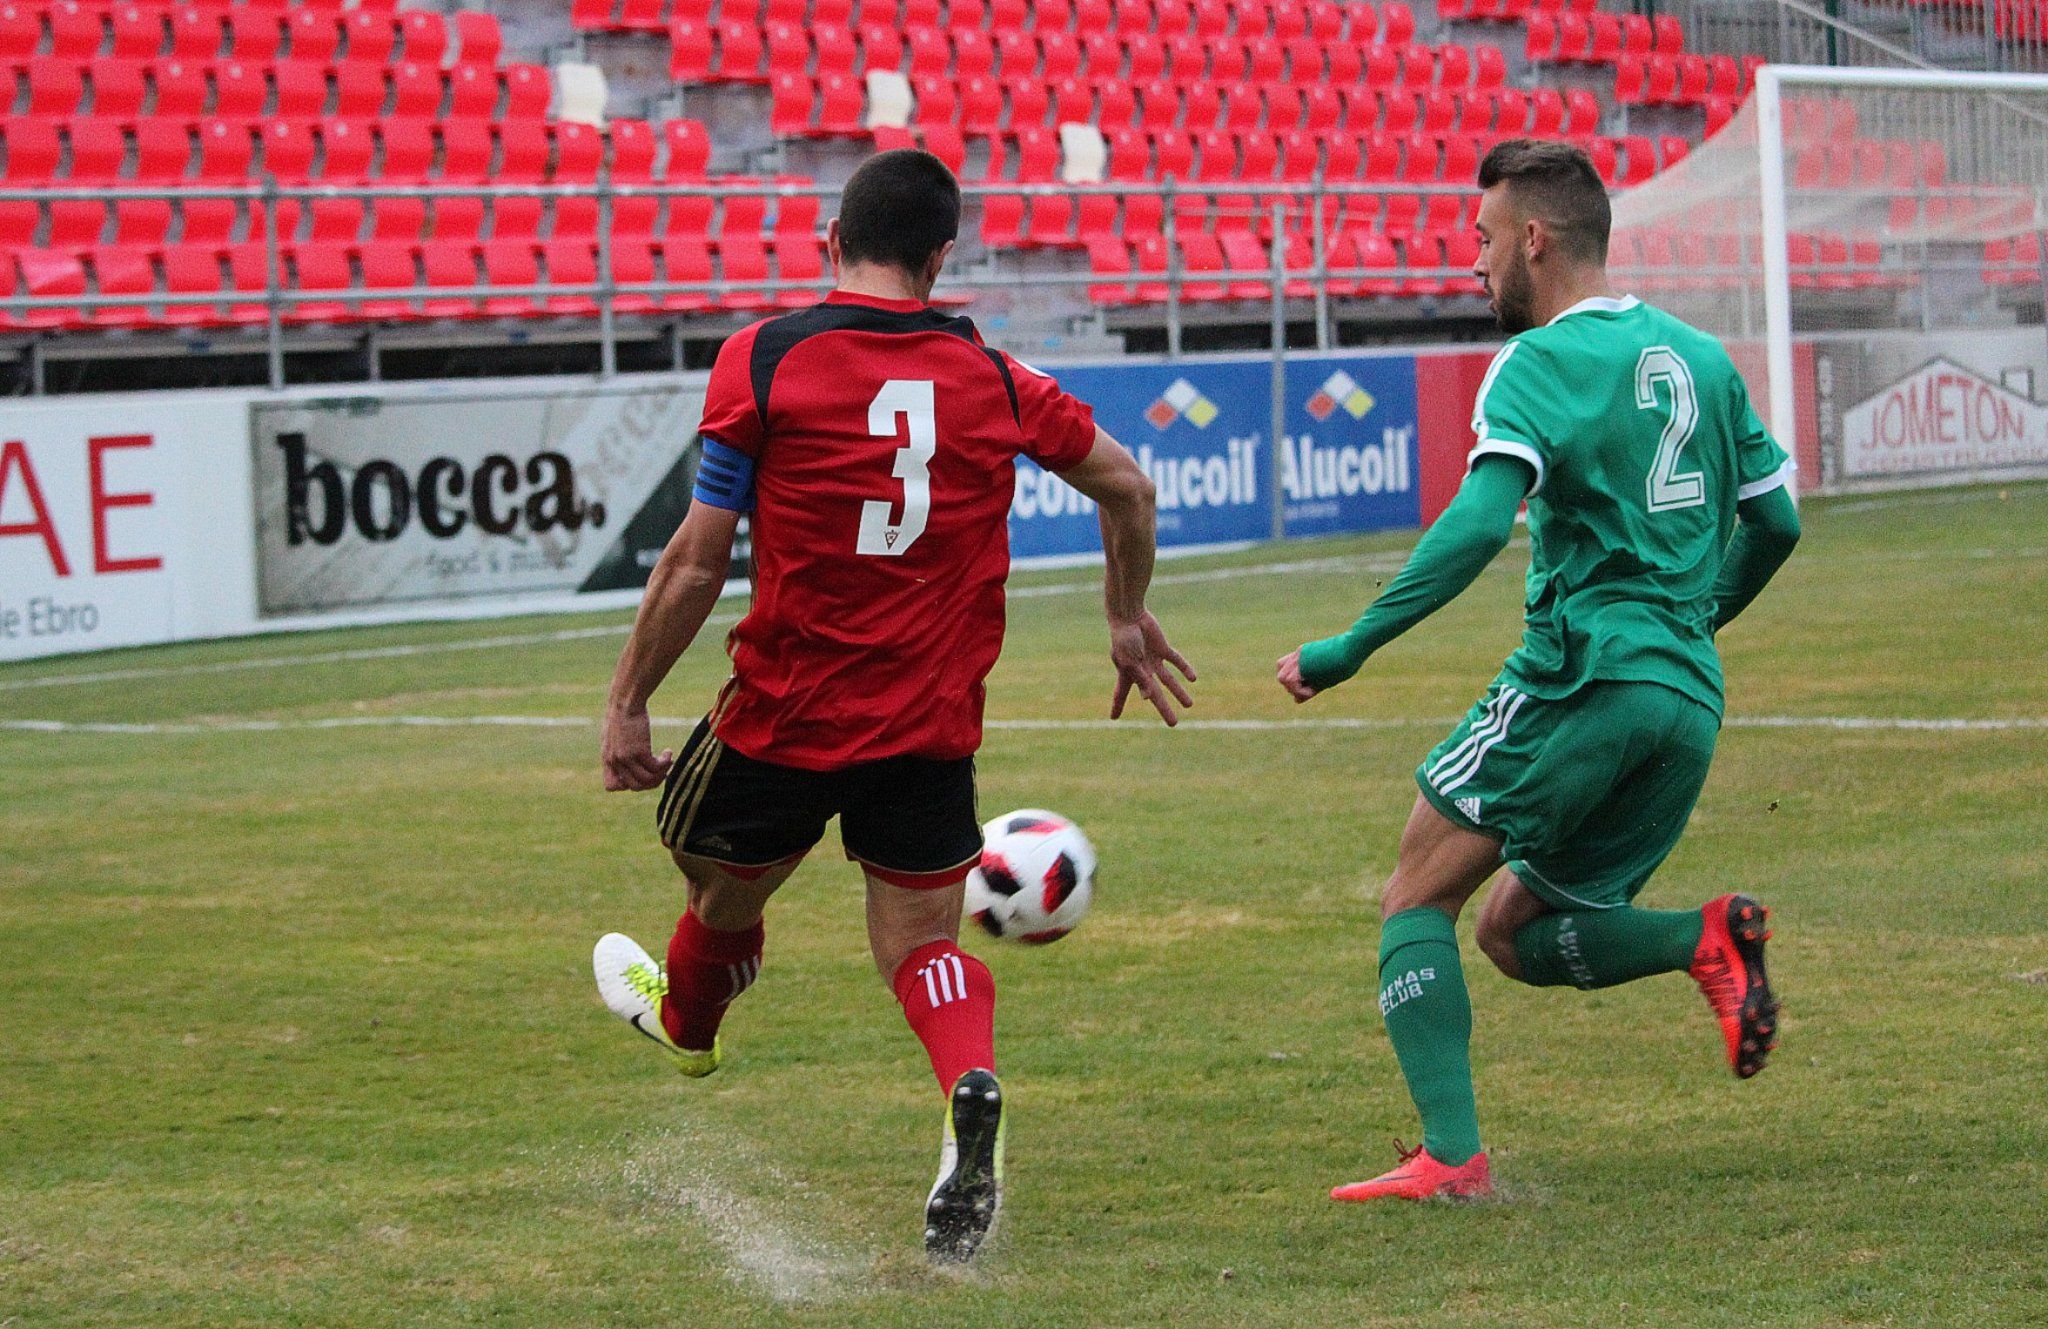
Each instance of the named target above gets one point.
<point>1497,944</point>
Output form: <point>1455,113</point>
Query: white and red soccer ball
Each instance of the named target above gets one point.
<point>1036,876</point>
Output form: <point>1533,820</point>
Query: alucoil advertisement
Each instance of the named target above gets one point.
<point>1203,431</point>
<point>380,500</point>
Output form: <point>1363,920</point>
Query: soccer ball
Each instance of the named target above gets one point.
<point>1036,876</point>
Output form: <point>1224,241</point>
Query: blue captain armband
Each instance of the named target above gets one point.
<point>725,478</point>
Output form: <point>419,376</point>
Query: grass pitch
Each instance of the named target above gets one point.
<point>298,1026</point>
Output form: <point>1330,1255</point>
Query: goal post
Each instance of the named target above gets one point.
<point>1869,245</point>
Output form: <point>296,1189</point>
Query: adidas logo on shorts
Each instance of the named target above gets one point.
<point>1470,807</point>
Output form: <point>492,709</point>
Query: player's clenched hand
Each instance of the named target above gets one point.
<point>629,760</point>
<point>1141,652</point>
<point>1289,671</point>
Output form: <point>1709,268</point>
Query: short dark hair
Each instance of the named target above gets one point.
<point>899,208</point>
<point>1555,182</point>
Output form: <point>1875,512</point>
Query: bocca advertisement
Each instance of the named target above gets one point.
<point>371,501</point>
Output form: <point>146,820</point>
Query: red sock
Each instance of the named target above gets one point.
<point>707,969</point>
<point>949,997</point>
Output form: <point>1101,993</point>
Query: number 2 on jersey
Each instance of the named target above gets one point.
<point>1669,487</point>
<point>910,398</point>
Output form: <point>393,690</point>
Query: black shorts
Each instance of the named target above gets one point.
<point>909,820</point>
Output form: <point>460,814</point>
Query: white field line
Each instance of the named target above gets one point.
<point>1389,562</point>
<point>176,727</point>
<point>1385,562</point>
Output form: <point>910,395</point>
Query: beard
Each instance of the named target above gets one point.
<point>1514,299</point>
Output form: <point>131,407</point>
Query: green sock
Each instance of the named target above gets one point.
<point>1598,948</point>
<point>1429,1019</point>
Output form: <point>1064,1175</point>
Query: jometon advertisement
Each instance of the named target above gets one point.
<point>380,500</point>
<point>1954,406</point>
<point>104,515</point>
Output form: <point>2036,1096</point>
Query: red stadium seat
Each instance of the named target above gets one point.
<point>449,264</point>
<point>458,218</point>
<point>197,32</point>
<point>690,51</point>
<point>360,90</point>
<point>21,32</point>
<point>97,151</point>
<point>240,90</point>
<point>335,221</point>
<point>191,270</point>
<point>345,150</point>
<point>225,151</point>
<point>417,90</point>
<point>570,263</point>
<point>314,34</point>
<point>1582,112</point>
<point>204,221</point>
<point>1636,39</point>
<point>301,90</point>
<point>370,35</point>
<point>319,269</point>
<point>163,151</point>
<point>425,35</point>
<point>138,32</point>
<point>478,38</point>
<point>687,262</point>
<point>254,34</point>
<point>527,91</point>
<point>387,266</point>
<point>523,151</point>
<point>408,151</point>
<point>466,150</point>
<point>689,150</point>
<point>75,223</point>
<point>49,274</point>
<point>118,86</point>
<point>510,263</point>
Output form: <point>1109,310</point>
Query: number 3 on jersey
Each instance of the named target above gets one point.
<point>910,398</point>
<point>1669,488</point>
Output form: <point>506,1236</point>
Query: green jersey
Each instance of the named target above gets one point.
<point>1643,441</point>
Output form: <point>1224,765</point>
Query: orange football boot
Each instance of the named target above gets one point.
<point>1421,1177</point>
<point>1729,967</point>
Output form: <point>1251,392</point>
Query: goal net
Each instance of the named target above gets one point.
<point>1868,243</point>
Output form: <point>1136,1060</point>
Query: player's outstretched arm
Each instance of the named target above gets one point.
<point>1137,644</point>
<point>1450,555</point>
<point>680,593</point>
<point>1767,529</point>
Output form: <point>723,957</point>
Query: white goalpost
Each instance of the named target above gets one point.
<point>1869,245</point>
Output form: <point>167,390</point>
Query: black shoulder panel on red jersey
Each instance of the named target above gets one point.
<point>778,337</point>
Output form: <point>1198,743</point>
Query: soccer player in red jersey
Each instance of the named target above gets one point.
<point>872,439</point>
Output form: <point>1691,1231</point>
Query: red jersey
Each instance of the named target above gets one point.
<point>883,435</point>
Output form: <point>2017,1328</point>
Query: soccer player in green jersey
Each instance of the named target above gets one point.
<point>1657,510</point>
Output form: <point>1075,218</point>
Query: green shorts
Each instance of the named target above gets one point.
<point>1588,793</point>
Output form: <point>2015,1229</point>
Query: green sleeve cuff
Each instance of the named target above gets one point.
<point>1326,663</point>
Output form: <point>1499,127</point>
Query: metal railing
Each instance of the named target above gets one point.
<point>1287,207</point>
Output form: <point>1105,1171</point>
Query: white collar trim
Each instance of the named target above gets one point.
<point>1601,304</point>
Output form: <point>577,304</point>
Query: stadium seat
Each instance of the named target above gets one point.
<point>387,266</point>
<point>191,270</point>
<point>687,262</point>
<point>98,149</point>
<point>510,263</point>
<point>526,91</point>
<point>479,40</point>
<point>33,150</point>
<point>49,274</point>
<point>313,34</point>
<point>345,150</point>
